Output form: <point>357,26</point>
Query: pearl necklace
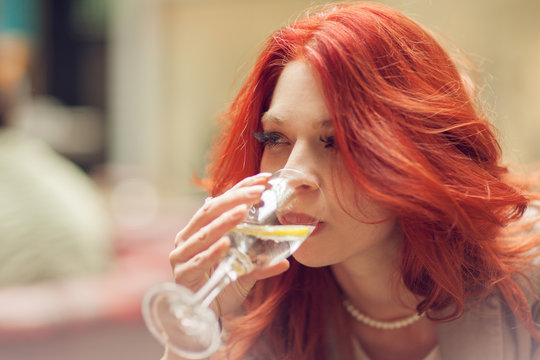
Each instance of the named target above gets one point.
<point>382,325</point>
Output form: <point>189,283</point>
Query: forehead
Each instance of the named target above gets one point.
<point>269,118</point>
<point>298,95</point>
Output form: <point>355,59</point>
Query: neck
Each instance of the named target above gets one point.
<point>375,287</point>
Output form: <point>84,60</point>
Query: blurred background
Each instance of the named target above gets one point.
<point>108,108</point>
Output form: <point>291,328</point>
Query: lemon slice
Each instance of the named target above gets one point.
<point>276,232</point>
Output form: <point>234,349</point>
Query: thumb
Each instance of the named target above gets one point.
<point>246,282</point>
<point>270,271</point>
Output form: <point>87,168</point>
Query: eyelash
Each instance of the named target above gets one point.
<point>274,138</point>
<point>328,141</point>
<point>268,138</point>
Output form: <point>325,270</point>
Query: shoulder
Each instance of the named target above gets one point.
<point>490,329</point>
<point>487,330</point>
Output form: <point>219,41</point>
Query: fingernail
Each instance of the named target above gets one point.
<point>264,174</point>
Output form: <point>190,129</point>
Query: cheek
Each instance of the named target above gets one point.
<point>348,239</point>
<point>348,199</point>
<point>364,210</point>
<point>272,162</point>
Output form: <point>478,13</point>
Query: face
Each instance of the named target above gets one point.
<point>297,133</point>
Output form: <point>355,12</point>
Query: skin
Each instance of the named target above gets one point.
<point>202,243</point>
<point>358,240</point>
<point>300,130</point>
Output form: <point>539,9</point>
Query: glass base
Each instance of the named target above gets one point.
<point>186,328</point>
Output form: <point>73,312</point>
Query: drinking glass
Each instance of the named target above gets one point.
<point>275,227</point>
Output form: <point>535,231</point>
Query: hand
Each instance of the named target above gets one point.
<point>201,245</point>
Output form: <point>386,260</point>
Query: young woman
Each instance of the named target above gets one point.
<point>418,256</point>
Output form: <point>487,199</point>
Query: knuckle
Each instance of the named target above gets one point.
<point>202,234</point>
<point>198,260</point>
<point>179,238</point>
<point>207,206</point>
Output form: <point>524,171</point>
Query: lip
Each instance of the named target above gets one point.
<point>296,218</point>
<point>320,226</point>
<point>302,218</point>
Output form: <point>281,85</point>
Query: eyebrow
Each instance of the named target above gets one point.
<point>268,117</point>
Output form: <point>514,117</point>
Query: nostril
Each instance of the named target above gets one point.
<point>305,187</point>
<point>300,180</point>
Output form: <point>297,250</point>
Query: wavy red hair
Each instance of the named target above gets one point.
<point>410,133</point>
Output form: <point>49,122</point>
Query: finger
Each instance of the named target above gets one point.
<point>260,178</point>
<point>273,270</point>
<point>245,283</point>
<point>217,206</point>
<point>270,271</point>
<point>209,234</point>
<point>195,269</point>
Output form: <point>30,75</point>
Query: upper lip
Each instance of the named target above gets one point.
<point>297,219</point>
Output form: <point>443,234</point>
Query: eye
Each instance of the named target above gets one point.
<point>269,139</point>
<point>328,141</point>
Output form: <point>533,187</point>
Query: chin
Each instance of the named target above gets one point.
<point>308,258</point>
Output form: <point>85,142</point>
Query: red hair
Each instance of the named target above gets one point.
<point>409,131</point>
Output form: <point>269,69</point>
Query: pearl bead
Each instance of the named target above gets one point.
<point>382,325</point>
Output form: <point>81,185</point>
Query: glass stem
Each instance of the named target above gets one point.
<point>222,276</point>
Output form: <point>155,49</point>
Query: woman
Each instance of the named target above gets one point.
<point>417,238</point>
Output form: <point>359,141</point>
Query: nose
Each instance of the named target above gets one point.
<point>300,194</point>
<point>303,161</point>
<point>302,181</point>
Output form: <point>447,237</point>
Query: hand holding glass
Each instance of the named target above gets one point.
<point>274,228</point>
